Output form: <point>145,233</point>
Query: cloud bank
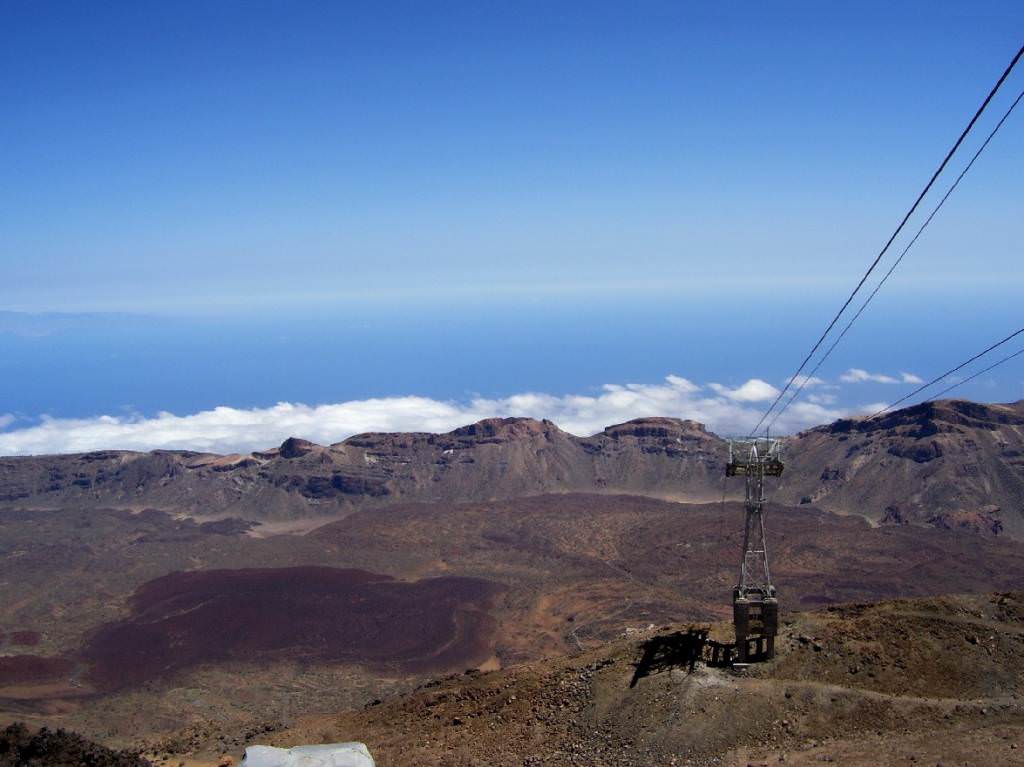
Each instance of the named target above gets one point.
<point>754,390</point>
<point>227,429</point>
<point>856,375</point>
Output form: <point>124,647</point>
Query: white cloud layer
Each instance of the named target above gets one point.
<point>754,390</point>
<point>806,381</point>
<point>822,399</point>
<point>228,429</point>
<point>856,375</point>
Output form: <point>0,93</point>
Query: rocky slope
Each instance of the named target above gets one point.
<point>21,747</point>
<point>949,464</point>
<point>932,681</point>
<point>492,459</point>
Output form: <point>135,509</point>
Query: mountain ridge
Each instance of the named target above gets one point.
<point>952,464</point>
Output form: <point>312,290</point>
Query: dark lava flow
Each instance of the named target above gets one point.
<point>306,614</point>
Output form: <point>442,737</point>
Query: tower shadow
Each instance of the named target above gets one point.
<point>681,649</point>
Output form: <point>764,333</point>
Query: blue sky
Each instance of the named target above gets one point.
<point>227,169</point>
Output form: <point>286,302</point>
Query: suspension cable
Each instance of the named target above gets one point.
<point>975,375</point>
<point>892,237</point>
<point>807,378</point>
<point>948,373</point>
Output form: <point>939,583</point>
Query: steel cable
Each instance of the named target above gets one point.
<point>896,263</point>
<point>885,248</point>
<point>950,372</point>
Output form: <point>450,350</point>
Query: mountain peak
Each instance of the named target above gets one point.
<point>929,418</point>
<point>293,447</point>
<point>658,427</point>
<point>505,428</point>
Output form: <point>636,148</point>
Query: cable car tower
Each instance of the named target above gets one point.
<point>755,607</point>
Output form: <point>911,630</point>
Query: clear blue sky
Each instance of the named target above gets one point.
<point>186,155</point>
<point>470,163</point>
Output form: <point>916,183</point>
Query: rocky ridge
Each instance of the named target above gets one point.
<point>950,464</point>
<point>493,459</point>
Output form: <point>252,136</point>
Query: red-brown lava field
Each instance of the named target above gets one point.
<point>312,614</point>
<point>32,669</point>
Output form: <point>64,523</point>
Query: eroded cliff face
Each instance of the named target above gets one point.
<point>495,458</point>
<point>513,457</point>
<point>950,464</point>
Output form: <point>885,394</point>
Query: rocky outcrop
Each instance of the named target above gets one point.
<point>496,458</point>
<point>667,429</point>
<point>293,447</point>
<point>951,464</point>
<point>59,748</point>
<point>922,465</point>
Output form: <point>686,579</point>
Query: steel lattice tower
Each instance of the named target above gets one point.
<point>755,606</point>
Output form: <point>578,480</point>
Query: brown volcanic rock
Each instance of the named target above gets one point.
<point>675,559</point>
<point>930,681</point>
<point>949,463</point>
<point>32,669</point>
<point>293,447</point>
<point>184,481</point>
<point>574,569</point>
<point>670,429</point>
<point>311,614</point>
<point>498,430</point>
<point>264,485</point>
<point>514,457</point>
<point>24,638</point>
<point>21,747</point>
<point>494,459</point>
<point>662,457</point>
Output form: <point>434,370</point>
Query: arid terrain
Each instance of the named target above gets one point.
<point>950,464</point>
<point>501,384</point>
<point>492,459</point>
<point>931,681</point>
<point>195,626</point>
<point>947,464</point>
